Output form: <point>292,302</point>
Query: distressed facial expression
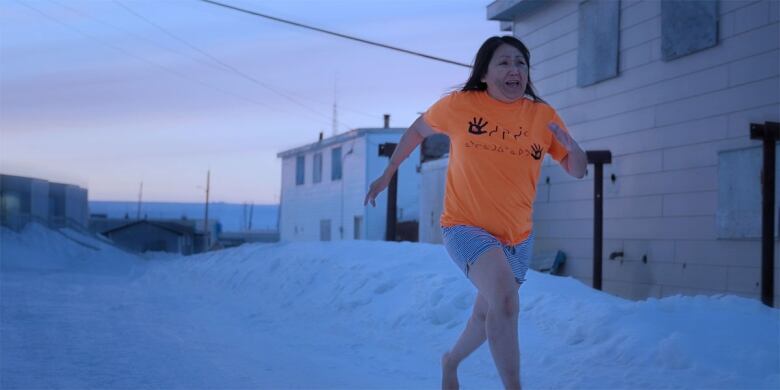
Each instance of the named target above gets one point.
<point>507,74</point>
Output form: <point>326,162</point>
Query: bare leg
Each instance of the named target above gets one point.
<point>471,338</point>
<point>494,279</point>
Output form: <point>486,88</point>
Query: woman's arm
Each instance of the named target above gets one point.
<point>576,162</point>
<point>412,137</point>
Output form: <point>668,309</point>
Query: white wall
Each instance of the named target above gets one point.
<point>665,123</point>
<point>354,186</point>
<point>304,206</point>
<point>432,186</point>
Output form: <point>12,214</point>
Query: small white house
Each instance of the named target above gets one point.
<point>324,184</point>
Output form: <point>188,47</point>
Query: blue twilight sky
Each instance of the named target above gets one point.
<point>96,94</point>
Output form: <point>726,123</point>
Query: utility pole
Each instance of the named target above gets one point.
<point>140,194</point>
<point>206,236</point>
<point>251,214</point>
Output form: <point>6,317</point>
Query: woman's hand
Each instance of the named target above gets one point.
<point>412,137</point>
<point>376,188</point>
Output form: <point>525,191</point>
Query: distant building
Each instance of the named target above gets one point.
<point>158,236</point>
<point>324,184</point>
<point>183,236</point>
<point>25,199</point>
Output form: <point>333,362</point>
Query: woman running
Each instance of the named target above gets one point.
<point>499,132</point>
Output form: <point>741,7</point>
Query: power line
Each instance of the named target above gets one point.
<point>337,34</point>
<point>117,48</point>
<point>222,68</point>
<point>224,65</point>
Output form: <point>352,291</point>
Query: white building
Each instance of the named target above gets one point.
<point>671,88</point>
<point>324,184</point>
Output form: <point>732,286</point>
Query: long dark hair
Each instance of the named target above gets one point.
<point>482,60</point>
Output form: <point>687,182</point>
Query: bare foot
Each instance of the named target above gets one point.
<point>449,373</point>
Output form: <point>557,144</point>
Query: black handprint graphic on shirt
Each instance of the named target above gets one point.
<point>475,127</point>
<point>536,151</point>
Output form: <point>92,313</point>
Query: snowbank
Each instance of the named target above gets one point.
<point>345,315</point>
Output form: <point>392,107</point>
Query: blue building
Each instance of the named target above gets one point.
<point>25,199</point>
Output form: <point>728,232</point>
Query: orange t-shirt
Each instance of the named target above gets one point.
<point>496,154</point>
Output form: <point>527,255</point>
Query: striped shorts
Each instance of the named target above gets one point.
<point>466,243</point>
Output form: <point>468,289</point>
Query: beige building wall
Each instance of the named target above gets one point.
<point>667,124</point>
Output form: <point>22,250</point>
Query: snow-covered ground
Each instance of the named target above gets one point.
<point>77,313</point>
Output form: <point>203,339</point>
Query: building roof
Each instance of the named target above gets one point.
<point>174,227</point>
<point>4,178</point>
<point>340,138</point>
<point>508,10</point>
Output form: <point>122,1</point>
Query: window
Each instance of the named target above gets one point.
<point>358,226</point>
<point>335,164</point>
<point>598,32</point>
<point>299,169</point>
<point>688,27</point>
<point>317,168</point>
<point>325,230</point>
<point>739,209</point>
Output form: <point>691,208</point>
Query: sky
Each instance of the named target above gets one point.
<point>109,94</point>
<point>78,313</point>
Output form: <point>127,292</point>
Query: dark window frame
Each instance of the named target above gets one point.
<point>317,168</point>
<point>336,164</point>
<point>300,170</point>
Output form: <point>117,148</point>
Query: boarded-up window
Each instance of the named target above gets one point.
<point>317,168</point>
<point>325,230</point>
<point>335,164</point>
<point>299,169</point>
<point>739,193</point>
<point>687,26</point>
<point>597,50</point>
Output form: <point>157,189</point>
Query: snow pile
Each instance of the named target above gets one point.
<point>43,250</point>
<point>346,315</point>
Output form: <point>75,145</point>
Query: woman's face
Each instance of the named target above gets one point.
<point>507,74</point>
